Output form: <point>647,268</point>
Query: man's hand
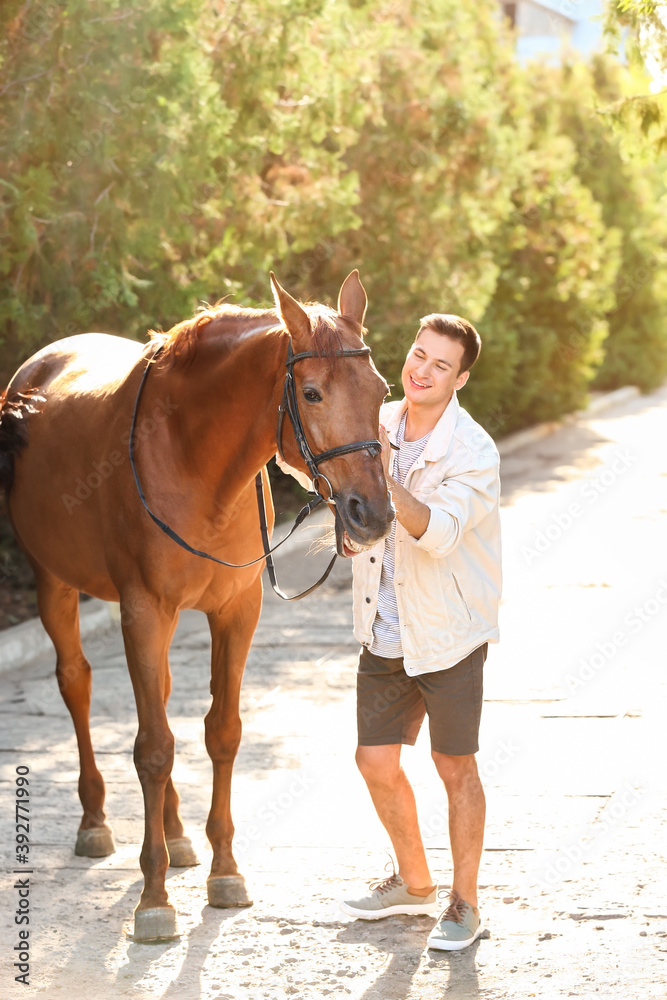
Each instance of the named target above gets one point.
<point>411,513</point>
<point>386,450</point>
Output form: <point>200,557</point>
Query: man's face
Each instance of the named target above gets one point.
<point>431,370</point>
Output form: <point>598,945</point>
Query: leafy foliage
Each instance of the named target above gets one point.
<point>155,155</point>
<point>631,195</point>
<point>160,154</point>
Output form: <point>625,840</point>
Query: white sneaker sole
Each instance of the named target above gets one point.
<point>438,944</point>
<point>419,909</point>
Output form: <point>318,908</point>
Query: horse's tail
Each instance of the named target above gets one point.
<point>14,408</point>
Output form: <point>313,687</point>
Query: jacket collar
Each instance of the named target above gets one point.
<point>438,443</point>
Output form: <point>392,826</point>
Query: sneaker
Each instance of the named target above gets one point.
<point>390,896</point>
<point>458,926</point>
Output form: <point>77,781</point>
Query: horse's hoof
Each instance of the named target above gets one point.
<point>155,924</point>
<point>181,853</point>
<point>227,890</point>
<point>95,843</point>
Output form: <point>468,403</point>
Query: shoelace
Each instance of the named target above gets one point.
<point>385,884</point>
<point>456,909</point>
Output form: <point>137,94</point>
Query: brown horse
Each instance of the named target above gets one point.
<point>206,425</point>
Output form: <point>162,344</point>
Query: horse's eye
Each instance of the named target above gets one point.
<point>312,396</point>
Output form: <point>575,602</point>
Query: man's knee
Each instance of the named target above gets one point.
<point>379,764</point>
<point>455,770</point>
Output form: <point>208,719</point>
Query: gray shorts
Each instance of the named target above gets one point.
<point>391,706</point>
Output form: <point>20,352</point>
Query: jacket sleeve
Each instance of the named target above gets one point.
<point>462,500</point>
<point>301,477</point>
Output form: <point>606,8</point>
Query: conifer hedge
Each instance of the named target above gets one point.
<point>153,156</point>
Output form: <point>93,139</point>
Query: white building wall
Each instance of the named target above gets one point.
<point>544,27</point>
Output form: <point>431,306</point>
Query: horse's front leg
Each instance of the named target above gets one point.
<point>147,634</point>
<point>231,634</point>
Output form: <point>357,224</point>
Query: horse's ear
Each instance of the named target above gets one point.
<point>352,299</point>
<point>293,316</point>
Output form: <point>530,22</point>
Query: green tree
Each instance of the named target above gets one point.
<point>631,192</point>
<point>436,170</point>
<point>158,155</point>
<point>546,323</point>
<point>162,154</point>
<point>470,203</point>
<point>642,26</point>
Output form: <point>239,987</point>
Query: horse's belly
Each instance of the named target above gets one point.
<point>56,535</point>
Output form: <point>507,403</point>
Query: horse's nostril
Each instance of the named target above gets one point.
<point>366,519</point>
<point>355,512</point>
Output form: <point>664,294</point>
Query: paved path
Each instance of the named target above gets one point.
<point>574,882</point>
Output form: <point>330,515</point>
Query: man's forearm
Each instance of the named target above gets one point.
<point>411,513</point>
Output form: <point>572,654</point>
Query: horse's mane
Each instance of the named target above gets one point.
<point>179,344</point>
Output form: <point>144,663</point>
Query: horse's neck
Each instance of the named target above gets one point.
<point>228,405</point>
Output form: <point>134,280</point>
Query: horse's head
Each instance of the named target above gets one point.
<point>337,392</point>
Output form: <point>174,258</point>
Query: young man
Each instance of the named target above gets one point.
<point>425,609</point>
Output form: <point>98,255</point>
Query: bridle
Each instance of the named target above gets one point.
<point>289,405</point>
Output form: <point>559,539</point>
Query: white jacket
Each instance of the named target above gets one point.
<point>448,581</point>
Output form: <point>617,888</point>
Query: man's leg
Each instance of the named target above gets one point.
<point>394,803</point>
<point>453,699</point>
<point>467,812</point>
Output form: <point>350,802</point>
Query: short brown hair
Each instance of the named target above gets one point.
<point>456,328</point>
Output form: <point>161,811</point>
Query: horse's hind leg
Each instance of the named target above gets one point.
<point>179,847</point>
<point>59,611</point>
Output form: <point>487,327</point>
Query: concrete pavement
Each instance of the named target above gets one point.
<point>573,743</point>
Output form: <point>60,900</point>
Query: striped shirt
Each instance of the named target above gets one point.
<point>386,630</point>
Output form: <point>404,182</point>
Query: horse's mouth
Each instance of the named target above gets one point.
<point>356,535</point>
<point>352,548</point>
<point>346,546</point>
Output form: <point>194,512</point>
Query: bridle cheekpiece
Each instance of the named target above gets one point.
<point>289,405</point>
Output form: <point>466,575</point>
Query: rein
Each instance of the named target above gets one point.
<point>289,404</point>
